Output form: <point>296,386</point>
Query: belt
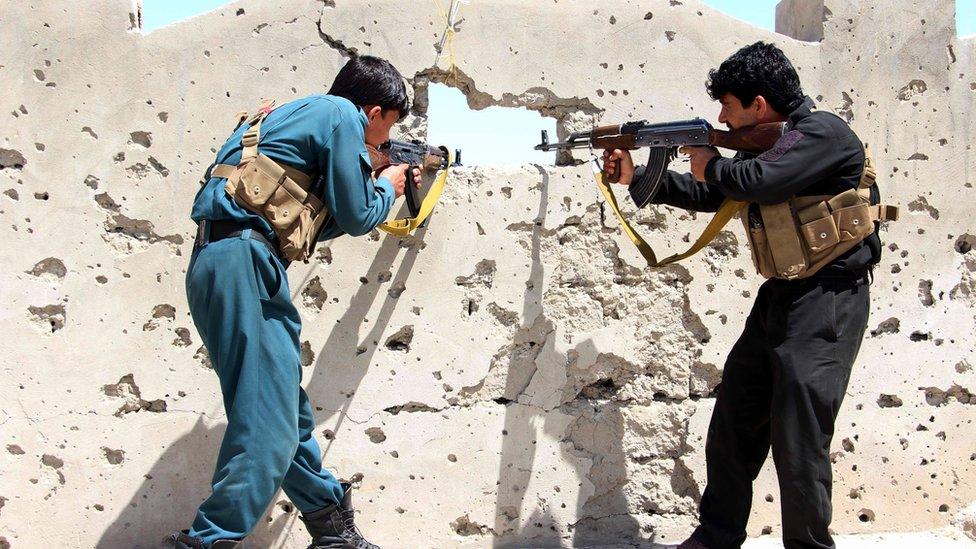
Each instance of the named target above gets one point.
<point>856,274</point>
<point>865,275</point>
<point>212,231</point>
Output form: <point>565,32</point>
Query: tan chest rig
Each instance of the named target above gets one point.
<point>796,238</point>
<point>277,192</point>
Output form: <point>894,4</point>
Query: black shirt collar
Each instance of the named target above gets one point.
<point>804,110</point>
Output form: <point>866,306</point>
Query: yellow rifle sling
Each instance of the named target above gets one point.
<point>403,227</point>
<point>724,214</point>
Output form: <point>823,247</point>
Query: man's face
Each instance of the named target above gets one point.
<point>735,115</point>
<point>379,124</point>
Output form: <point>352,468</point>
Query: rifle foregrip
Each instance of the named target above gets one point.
<point>605,131</point>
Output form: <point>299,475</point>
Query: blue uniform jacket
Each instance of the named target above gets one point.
<point>319,135</point>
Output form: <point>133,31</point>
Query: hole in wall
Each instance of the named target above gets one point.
<point>498,136</point>
<point>159,13</point>
<point>965,19</point>
<point>761,13</point>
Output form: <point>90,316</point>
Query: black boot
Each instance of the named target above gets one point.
<point>332,527</point>
<point>183,540</point>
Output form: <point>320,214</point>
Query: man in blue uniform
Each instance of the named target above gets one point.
<point>237,289</point>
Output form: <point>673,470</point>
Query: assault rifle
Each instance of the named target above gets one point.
<point>664,140</point>
<point>416,154</point>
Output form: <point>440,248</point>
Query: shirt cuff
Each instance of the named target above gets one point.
<point>384,185</point>
<point>712,169</point>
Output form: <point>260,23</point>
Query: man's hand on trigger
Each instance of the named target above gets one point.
<point>397,174</point>
<point>699,160</point>
<point>626,164</point>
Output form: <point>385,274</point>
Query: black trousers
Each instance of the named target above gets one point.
<point>782,387</point>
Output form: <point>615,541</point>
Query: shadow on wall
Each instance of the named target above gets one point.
<point>180,479</point>
<point>343,360</point>
<point>605,516</point>
<point>515,464</point>
<point>173,487</point>
<point>522,428</point>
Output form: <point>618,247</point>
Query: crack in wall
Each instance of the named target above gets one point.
<point>337,45</point>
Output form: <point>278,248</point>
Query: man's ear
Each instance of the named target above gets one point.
<point>373,112</point>
<point>765,111</point>
<point>761,106</point>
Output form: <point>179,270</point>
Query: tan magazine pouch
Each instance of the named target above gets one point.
<point>275,191</point>
<point>797,238</point>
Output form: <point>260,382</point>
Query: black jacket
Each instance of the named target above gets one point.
<point>818,154</point>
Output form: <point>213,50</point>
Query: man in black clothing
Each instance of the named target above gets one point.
<point>786,376</point>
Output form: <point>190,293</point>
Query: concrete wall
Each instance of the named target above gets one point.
<point>553,391</point>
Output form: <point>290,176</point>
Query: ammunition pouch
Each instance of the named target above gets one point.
<point>796,238</point>
<point>277,192</point>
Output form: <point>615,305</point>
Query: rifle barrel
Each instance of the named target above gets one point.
<point>563,145</point>
<point>576,140</point>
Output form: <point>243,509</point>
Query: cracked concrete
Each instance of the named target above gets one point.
<point>510,376</point>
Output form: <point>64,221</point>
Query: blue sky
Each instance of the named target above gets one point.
<point>500,135</point>
<point>157,13</point>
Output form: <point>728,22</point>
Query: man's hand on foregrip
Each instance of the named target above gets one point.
<point>618,165</point>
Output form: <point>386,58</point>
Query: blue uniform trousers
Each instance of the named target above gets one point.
<point>240,303</point>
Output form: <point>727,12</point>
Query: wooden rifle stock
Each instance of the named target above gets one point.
<point>378,159</point>
<point>754,139</point>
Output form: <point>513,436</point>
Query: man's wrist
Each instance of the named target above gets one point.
<point>712,169</point>
<point>383,182</point>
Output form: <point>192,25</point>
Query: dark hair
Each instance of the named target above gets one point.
<point>758,69</point>
<point>367,80</point>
